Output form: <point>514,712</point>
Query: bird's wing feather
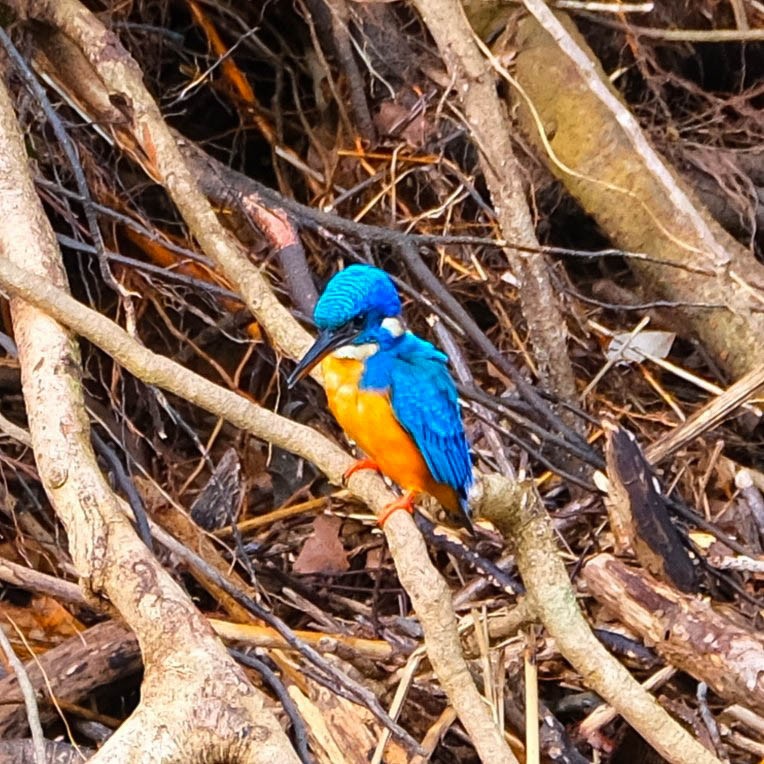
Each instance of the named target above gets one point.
<point>424,400</point>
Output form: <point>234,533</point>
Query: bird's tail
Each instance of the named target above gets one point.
<point>465,513</point>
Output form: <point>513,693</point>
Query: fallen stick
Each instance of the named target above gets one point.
<point>684,630</point>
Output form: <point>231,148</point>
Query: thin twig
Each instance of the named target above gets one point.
<point>269,675</point>
<point>681,35</point>
<point>532,748</point>
<point>39,94</point>
<point>30,700</point>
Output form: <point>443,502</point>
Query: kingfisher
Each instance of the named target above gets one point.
<point>391,392</point>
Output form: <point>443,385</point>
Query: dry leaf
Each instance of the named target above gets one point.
<point>323,552</point>
<point>396,119</point>
<point>627,347</point>
<point>43,622</point>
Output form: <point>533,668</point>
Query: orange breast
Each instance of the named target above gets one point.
<point>368,418</point>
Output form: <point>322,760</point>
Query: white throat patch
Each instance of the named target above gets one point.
<point>356,352</point>
<point>361,352</point>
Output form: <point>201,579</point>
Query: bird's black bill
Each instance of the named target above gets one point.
<point>328,340</point>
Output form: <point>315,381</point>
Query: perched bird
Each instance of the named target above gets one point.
<point>390,391</point>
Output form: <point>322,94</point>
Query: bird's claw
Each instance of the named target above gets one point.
<point>361,464</point>
<point>406,502</point>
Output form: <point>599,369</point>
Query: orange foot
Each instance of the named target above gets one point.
<point>361,464</point>
<point>405,502</point>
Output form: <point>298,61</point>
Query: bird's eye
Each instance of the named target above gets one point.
<point>359,321</point>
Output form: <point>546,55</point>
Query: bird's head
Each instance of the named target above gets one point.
<point>359,308</point>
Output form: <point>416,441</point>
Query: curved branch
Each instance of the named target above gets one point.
<point>517,511</point>
<point>183,659</point>
<point>428,590</point>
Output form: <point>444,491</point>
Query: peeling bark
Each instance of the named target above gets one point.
<point>686,631</point>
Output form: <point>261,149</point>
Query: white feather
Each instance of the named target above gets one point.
<point>356,352</point>
<point>361,352</point>
<point>393,326</point>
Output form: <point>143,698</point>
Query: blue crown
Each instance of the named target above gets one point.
<point>359,290</point>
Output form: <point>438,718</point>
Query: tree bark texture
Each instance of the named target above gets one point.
<point>195,699</point>
<point>623,186</point>
<point>685,630</point>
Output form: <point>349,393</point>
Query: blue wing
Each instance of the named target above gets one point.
<point>424,400</point>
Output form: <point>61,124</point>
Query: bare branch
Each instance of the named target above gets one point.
<point>518,513</point>
<point>183,659</point>
<point>490,128</point>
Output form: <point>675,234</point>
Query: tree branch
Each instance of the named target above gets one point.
<point>428,590</point>
<point>486,117</point>
<point>189,677</point>
<point>517,511</point>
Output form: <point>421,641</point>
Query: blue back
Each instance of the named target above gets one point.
<point>424,400</point>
